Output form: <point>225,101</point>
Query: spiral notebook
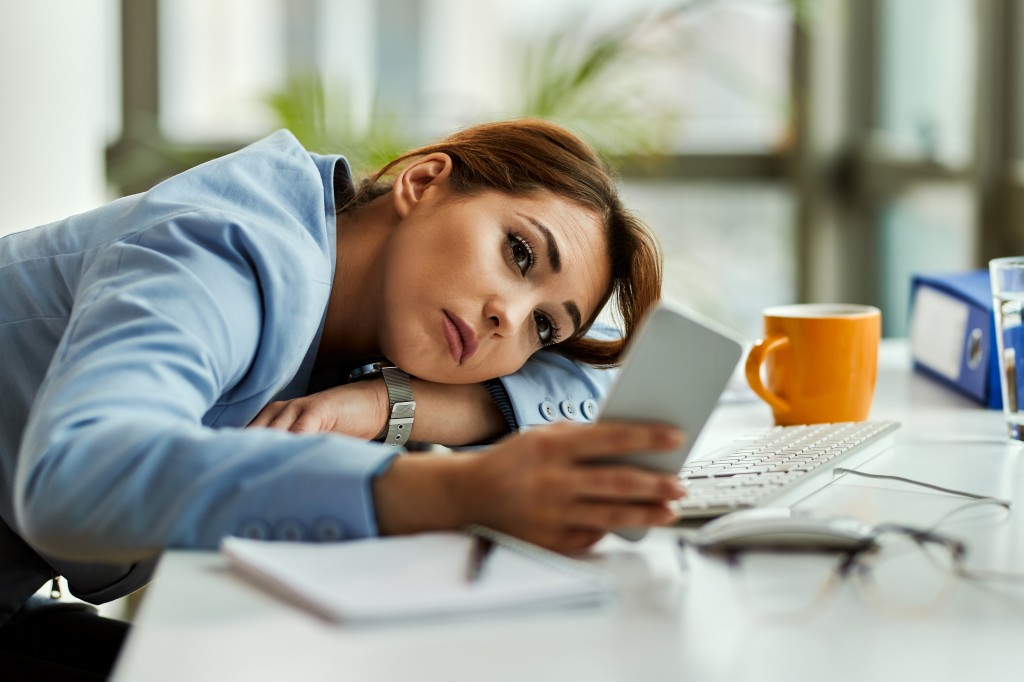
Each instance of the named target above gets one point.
<point>416,576</point>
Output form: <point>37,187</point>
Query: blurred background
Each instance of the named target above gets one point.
<point>784,150</point>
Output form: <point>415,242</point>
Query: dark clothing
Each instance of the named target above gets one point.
<point>48,640</point>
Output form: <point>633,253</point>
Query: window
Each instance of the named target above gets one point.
<point>784,150</point>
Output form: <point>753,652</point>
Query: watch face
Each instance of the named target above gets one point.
<point>366,371</point>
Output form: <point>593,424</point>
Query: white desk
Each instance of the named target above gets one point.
<point>200,622</point>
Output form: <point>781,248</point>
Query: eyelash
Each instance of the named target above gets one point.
<point>513,240</point>
<point>555,336</point>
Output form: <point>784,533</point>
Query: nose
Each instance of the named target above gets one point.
<point>504,316</point>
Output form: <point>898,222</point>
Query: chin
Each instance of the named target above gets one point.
<point>443,375</point>
<point>422,366</point>
<point>425,361</point>
<point>441,372</point>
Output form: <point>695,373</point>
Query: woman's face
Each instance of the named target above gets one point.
<point>475,285</point>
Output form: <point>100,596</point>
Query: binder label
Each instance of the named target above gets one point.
<point>937,330</point>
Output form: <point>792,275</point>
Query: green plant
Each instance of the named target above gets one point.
<point>589,82</point>
<point>323,120</point>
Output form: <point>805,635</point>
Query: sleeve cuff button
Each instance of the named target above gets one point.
<point>329,530</point>
<point>254,529</point>
<point>290,530</point>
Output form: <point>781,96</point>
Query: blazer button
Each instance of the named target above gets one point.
<point>547,410</point>
<point>589,409</point>
<point>567,409</point>
<point>254,529</point>
<point>289,529</point>
<point>328,530</point>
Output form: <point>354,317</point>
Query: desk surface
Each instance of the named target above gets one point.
<point>679,615</point>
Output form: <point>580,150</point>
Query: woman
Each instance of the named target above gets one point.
<point>142,335</point>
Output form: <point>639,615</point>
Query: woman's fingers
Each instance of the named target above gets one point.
<point>605,498</point>
<point>268,414</point>
<point>570,540</point>
<point>607,516</point>
<point>344,409</point>
<point>621,483</point>
<point>582,524</point>
<point>287,416</point>
<point>549,485</point>
<point>610,439</point>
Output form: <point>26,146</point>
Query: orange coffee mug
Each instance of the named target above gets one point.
<point>820,361</point>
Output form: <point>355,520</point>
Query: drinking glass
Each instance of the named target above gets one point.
<point>1008,306</point>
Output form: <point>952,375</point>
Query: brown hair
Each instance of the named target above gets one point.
<point>519,157</point>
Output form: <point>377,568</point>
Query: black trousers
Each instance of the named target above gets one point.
<point>59,641</point>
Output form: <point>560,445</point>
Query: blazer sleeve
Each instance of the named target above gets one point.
<point>116,464</point>
<point>551,388</point>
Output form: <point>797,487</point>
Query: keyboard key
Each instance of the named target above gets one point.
<point>758,468</point>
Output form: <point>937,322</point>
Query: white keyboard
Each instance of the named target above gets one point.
<point>779,466</point>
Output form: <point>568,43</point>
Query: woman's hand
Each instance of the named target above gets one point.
<point>541,485</point>
<point>358,409</point>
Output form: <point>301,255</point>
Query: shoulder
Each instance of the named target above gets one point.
<point>274,177</point>
<point>269,197</point>
<point>604,331</point>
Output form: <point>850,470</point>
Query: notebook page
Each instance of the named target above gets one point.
<point>413,576</point>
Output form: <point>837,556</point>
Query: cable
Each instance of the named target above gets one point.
<point>995,500</point>
<point>981,575</point>
<point>965,506</point>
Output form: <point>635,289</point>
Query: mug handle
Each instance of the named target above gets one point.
<point>755,359</point>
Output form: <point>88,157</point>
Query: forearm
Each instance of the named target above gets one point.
<point>455,414</point>
<point>124,487</point>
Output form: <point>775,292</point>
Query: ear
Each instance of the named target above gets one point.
<point>427,171</point>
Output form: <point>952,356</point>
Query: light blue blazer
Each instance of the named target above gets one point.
<point>138,339</point>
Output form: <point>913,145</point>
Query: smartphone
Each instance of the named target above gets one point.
<point>674,371</point>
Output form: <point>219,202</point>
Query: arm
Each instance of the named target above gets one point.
<point>454,415</point>
<point>540,485</point>
<point>115,462</point>
<point>448,414</point>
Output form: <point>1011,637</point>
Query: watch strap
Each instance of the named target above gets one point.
<point>401,407</point>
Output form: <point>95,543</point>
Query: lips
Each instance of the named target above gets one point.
<point>461,338</point>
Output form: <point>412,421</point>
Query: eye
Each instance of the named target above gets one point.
<point>547,332</point>
<point>520,252</point>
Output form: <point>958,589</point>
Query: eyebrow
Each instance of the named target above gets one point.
<point>574,313</point>
<point>554,257</point>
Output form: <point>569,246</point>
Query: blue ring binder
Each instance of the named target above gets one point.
<point>978,375</point>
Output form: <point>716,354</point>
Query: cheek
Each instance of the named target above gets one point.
<point>439,263</point>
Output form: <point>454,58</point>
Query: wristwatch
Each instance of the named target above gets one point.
<point>401,406</point>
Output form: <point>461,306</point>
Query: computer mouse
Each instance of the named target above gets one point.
<point>784,528</point>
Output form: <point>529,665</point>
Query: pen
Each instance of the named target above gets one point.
<point>478,554</point>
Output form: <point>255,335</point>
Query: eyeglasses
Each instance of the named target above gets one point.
<point>903,570</point>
